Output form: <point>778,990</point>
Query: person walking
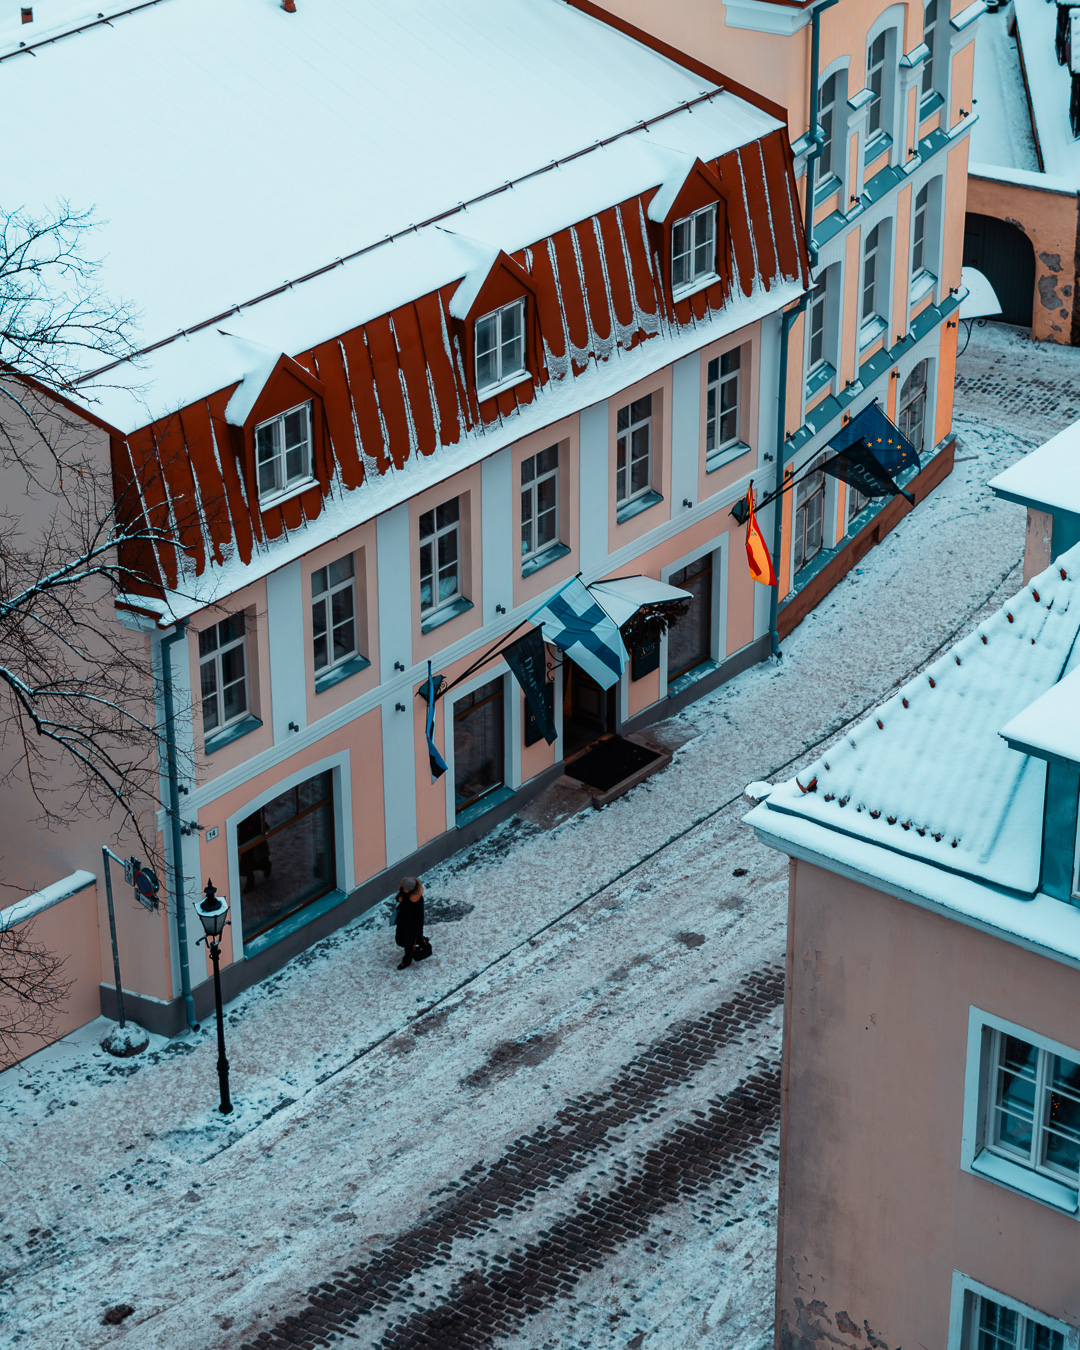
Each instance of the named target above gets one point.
<point>409,922</point>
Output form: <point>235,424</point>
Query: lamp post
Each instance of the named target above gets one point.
<point>213,911</point>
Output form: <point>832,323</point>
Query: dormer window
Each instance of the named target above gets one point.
<point>500,347</point>
<point>693,249</point>
<point>283,453</point>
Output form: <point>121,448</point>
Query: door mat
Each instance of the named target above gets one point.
<point>610,763</point>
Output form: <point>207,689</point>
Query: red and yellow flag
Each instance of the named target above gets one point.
<point>757,555</point>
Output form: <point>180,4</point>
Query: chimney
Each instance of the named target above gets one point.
<point>27,14</point>
<point>289,6</point>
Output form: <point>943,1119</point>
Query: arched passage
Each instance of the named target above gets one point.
<point>1005,256</point>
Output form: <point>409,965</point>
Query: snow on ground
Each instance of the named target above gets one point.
<point>1002,135</point>
<point>370,1099</point>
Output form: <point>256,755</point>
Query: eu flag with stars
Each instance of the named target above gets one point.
<point>892,449</point>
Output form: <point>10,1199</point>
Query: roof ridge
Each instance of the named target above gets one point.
<point>600,144</point>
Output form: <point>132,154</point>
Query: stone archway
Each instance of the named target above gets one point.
<point>1005,256</point>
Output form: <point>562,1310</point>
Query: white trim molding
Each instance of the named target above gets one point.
<point>965,1291</point>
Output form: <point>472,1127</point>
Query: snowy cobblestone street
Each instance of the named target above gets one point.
<point>559,1133</point>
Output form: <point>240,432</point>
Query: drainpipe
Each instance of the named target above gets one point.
<point>178,886</point>
<point>789,316</point>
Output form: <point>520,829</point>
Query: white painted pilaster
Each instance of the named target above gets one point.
<point>399,778</point>
<point>685,431</point>
<point>496,532</point>
<point>593,487</point>
<point>395,591</point>
<point>285,639</point>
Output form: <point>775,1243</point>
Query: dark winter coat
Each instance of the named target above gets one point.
<point>409,925</point>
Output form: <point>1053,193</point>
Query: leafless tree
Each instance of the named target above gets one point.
<point>76,694</point>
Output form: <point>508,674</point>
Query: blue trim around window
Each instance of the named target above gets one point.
<point>488,802</point>
<point>689,677</point>
<point>445,613</point>
<point>636,505</point>
<point>293,921</point>
<point>716,459</point>
<point>353,666</point>
<point>819,378</point>
<point>217,740</point>
<point>545,558</point>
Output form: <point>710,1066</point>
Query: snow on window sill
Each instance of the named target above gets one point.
<point>445,613</point>
<point>1030,1183</point>
<point>930,104</point>
<point>826,188</point>
<point>876,146</point>
<point>293,490</point>
<point>870,331</point>
<point>634,507</point>
<point>353,665</point>
<point>544,558</point>
<point>698,285</point>
<point>921,284</point>
<point>819,377</point>
<point>491,390</point>
<point>217,740</point>
<point>716,459</point>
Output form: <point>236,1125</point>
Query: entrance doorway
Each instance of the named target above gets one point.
<point>588,710</point>
<point>479,747</point>
<point>690,638</point>
<point>1004,255</point>
<point>286,854</point>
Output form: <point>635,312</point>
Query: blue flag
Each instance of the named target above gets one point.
<point>890,446</point>
<point>435,760</point>
<point>573,621</point>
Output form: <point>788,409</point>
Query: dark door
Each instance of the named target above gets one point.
<point>286,854</point>
<point>479,750</point>
<point>690,638</point>
<point>588,710</point>
<point>1004,255</point>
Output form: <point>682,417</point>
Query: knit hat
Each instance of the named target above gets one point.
<point>408,885</point>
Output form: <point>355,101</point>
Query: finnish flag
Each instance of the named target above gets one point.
<point>573,621</point>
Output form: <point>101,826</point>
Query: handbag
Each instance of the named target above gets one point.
<point>423,948</point>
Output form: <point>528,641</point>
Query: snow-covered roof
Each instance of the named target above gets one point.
<point>928,774</point>
<point>1047,479</point>
<point>1050,88</point>
<point>230,148</point>
<point>1051,725</point>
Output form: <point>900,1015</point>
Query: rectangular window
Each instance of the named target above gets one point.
<point>994,1325</point>
<point>333,613</point>
<point>440,556</point>
<point>286,854</point>
<point>828,163</point>
<point>870,297</point>
<point>809,515</point>
<point>283,451</point>
<point>633,471</point>
<point>930,19</point>
<point>1034,1108</point>
<point>689,640</point>
<point>223,673</point>
<point>875,82</point>
<point>918,230</point>
<point>856,501</point>
<point>722,400</point>
<point>500,346</point>
<point>693,248</point>
<point>912,416</point>
<point>539,502</point>
<point>479,752</point>
<point>816,323</point>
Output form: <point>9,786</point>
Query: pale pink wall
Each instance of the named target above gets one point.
<point>361,544</point>
<point>659,386</point>
<point>564,434</point>
<point>69,930</point>
<point>876,1213</point>
<point>465,485</point>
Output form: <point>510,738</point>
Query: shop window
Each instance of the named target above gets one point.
<point>912,417</point>
<point>223,674</point>
<point>809,524</point>
<point>479,745</point>
<point>286,854</point>
<point>689,640</point>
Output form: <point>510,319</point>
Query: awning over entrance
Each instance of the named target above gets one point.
<point>622,598</point>
<point>981,301</point>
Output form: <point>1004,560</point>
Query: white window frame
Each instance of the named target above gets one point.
<point>920,241</point>
<point>879,101</point>
<point>695,278</point>
<point>530,490</point>
<point>325,601</point>
<point>931,33</point>
<point>286,485</point>
<point>440,531</point>
<point>819,306</point>
<point>513,730</point>
<point>983,1159</point>
<point>928,408</point>
<point>876,322</point>
<point>627,435</point>
<point>214,659</point>
<point>505,376</point>
<point>813,465</point>
<point>834,108</point>
<point>963,1309</point>
<point>715,390</point>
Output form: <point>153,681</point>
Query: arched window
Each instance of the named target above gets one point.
<point>930,32</point>
<point>912,415</point>
<point>809,527</point>
<point>832,119</point>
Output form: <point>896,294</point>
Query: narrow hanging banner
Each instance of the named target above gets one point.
<point>757,555</point>
<point>435,761</point>
<point>528,663</point>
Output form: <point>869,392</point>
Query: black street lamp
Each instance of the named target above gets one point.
<point>213,911</point>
